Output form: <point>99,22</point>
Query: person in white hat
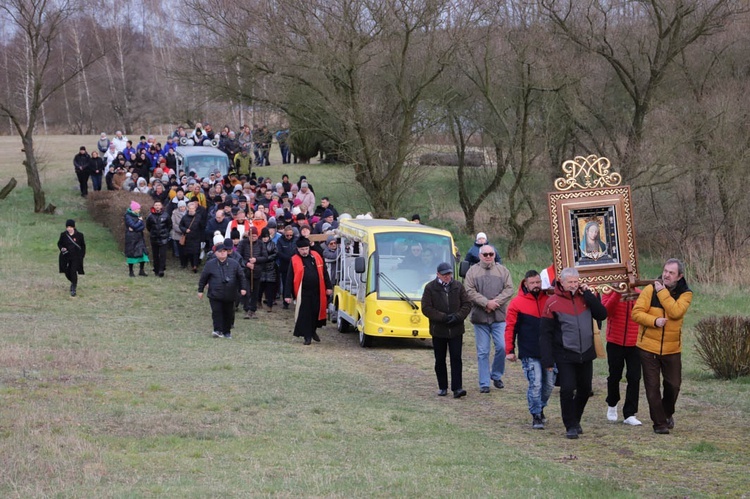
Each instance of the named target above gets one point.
<point>472,256</point>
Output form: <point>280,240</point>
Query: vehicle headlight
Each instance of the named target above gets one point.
<point>386,319</point>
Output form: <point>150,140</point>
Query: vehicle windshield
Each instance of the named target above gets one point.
<point>205,165</point>
<point>408,260</point>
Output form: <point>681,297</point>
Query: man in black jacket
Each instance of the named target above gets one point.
<point>255,255</point>
<point>286,248</point>
<point>223,276</point>
<point>159,225</point>
<point>81,166</point>
<point>446,304</point>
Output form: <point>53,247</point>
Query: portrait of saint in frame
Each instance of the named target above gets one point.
<point>594,236</point>
<point>591,223</point>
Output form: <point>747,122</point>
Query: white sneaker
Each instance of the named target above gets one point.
<point>612,413</point>
<point>632,421</point>
<point>217,334</point>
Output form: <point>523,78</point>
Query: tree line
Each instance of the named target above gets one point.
<point>658,87</point>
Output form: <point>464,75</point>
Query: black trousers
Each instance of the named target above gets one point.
<point>575,388</point>
<point>253,295</point>
<point>222,314</point>
<point>83,181</point>
<point>268,291</point>
<point>661,405</point>
<point>72,275</point>
<point>452,346</point>
<point>194,259</point>
<point>159,252</point>
<point>618,358</point>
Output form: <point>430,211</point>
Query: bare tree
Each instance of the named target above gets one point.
<point>37,25</point>
<point>354,71</point>
<point>640,41</point>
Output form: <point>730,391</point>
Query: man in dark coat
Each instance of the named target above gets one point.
<point>286,248</point>
<point>191,226</point>
<point>72,251</point>
<point>223,276</point>
<point>307,280</point>
<point>81,166</point>
<point>446,304</point>
<point>255,255</point>
<point>159,225</point>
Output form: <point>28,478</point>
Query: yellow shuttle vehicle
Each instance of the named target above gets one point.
<point>380,274</point>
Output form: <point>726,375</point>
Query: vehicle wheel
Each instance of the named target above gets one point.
<point>342,325</point>
<point>364,340</point>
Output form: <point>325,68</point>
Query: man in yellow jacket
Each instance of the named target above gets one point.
<point>660,310</point>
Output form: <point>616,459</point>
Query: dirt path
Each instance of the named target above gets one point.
<point>707,451</point>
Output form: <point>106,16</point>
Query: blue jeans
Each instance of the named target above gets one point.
<point>482,333</point>
<point>541,384</point>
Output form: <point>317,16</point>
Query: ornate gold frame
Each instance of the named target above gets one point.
<point>591,187</point>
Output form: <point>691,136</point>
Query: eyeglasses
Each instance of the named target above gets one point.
<point>488,254</point>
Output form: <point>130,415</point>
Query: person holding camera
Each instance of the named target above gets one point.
<point>566,340</point>
<point>446,304</point>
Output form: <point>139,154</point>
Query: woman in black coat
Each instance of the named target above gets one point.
<point>191,226</point>
<point>96,169</point>
<point>135,244</point>
<point>72,251</point>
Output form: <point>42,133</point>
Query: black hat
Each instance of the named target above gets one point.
<point>326,213</point>
<point>228,244</point>
<point>415,217</point>
<point>235,234</point>
<point>445,268</point>
<point>303,242</point>
<point>70,223</point>
<point>264,232</point>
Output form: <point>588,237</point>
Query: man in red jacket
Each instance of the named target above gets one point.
<point>522,324</point>
<point>622,334</point>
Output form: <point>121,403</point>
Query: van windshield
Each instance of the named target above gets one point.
<point>409,260</point>
<point>205,165</point>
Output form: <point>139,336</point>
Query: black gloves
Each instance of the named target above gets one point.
<point>452,319</point>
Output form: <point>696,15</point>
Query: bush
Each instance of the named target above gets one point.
<point>471,158</point>
<point>724,345</point>
<point>304,144</point>
<point>108,208</point>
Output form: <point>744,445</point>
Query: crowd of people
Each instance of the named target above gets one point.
<point>252,237</point>
<point>117,163</point>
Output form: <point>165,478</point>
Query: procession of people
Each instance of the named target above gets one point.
<point>247,236</point>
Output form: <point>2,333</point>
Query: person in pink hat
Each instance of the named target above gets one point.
<point>135,244</point>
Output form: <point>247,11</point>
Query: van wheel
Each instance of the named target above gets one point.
<point>342,324</point>
<point>364,340</point>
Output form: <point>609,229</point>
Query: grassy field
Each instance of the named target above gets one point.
<point>121,392</point>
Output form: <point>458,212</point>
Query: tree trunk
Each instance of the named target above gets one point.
<point>32,174</point>
<point>8,188</point>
